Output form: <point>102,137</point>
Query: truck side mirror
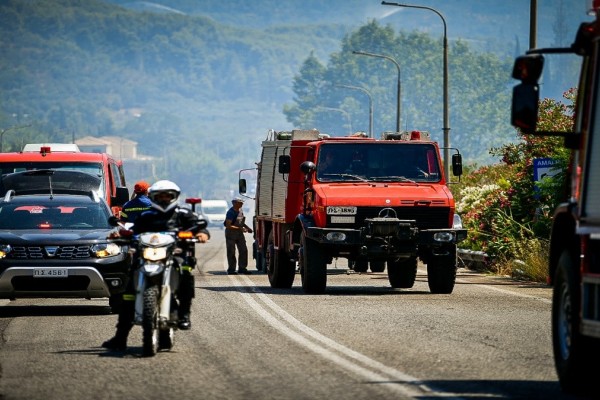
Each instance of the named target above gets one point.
<point>307,166</point>
<point>528,68</point>
<point>524,111</point>
<point>456,164</point>
<point>242,186</point>
<point>284,164</point>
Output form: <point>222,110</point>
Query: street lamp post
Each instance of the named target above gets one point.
<point>365,91</point>
<point>344,112</point>
<point>3,131</point>
<point>364,53</point>
<point>446,127</point>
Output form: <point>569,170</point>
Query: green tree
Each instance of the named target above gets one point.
<point>479,90</point>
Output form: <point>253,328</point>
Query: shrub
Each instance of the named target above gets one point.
<point>507,215</point>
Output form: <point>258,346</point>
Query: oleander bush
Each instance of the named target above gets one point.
<point>507,214</point>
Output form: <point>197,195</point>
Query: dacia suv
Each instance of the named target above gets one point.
<point>56,245</point>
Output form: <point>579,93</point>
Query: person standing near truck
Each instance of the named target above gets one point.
<point>138,204</point>
<point>235,227</point>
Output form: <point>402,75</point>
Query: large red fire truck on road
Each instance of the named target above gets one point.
<point>574,262</point>
<point>367,200</point>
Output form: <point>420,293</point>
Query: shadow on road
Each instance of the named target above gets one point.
<point>9,311</point>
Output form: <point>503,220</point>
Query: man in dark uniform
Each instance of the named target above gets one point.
<point>138,204</point>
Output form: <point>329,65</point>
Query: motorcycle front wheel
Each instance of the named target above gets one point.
<point>150,330</point>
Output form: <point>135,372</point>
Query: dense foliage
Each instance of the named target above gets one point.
<point>480,82</point>
<point>507,214</point>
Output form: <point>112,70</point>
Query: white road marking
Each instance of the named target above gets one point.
<point>372,370</point>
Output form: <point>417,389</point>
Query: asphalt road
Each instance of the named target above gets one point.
<point>490,338</point>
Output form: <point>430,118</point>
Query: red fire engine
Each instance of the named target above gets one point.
<point>367,200</point>
<point>574,262</point>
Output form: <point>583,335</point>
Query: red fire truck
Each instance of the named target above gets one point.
<point>66,156</point>
<point>574,262</point>
<point>367,200</point>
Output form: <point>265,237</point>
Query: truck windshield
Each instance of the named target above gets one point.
<point>389,161</point>
<point>91,168</point>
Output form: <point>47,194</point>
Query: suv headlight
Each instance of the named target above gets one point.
<point>104,250</point>
<point>4,250</point>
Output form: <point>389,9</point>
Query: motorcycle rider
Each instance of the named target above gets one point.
<point>164,215</point>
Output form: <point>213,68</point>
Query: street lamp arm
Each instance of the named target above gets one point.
<point>399,83</point>
<point>387,3</point>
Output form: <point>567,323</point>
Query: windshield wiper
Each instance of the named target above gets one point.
<point>392,178</point>
<point>345,176</point>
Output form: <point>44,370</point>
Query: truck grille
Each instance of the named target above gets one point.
<point>50,252</point>
<point>426,217</point>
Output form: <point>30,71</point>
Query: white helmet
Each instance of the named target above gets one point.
<point>162,187</point>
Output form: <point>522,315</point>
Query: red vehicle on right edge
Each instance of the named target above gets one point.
<point>574,262</point>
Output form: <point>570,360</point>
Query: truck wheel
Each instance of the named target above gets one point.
<point>573,353</point>
<point>377,266</point>
<point>313,267</point>
<point>441,273</point>
<point>280,268</point>
<point>359,265</point>
<point>402,272</point>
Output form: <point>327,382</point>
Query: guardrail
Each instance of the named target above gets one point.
<point>477,260</point>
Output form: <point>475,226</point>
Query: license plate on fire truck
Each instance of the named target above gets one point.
<point>333,210</point>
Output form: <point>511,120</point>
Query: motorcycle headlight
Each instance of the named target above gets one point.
<point>154,253</point>
<point>104,250</point>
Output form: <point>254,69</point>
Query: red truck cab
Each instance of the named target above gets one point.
<point>63,156</point>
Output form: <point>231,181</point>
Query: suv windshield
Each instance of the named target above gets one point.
<point>58,213</point>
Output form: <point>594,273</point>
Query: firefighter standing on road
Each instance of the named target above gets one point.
<point>235,227</point>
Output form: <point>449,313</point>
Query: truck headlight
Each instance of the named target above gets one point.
<point>443,236</point>
<point>336,236</point>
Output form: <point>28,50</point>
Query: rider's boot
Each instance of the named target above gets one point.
<point>186,293</point>
<point>124,325</point>
<point>117,342</point>
<point>184,322</point>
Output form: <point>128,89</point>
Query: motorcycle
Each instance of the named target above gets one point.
<point>157,279</point>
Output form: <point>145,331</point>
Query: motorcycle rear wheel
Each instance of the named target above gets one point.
<point>150,332</point>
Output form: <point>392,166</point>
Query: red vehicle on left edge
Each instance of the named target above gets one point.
<point>66,156</point>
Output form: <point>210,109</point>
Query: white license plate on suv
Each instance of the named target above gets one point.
<point>50,272</point>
